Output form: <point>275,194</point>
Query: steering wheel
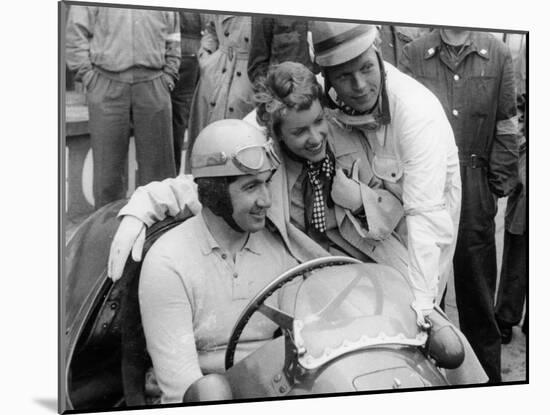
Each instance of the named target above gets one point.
<point>282,319</point>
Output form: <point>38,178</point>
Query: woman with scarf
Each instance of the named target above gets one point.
<point>331,194</point>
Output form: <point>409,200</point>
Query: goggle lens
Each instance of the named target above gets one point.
<point>251,157</point>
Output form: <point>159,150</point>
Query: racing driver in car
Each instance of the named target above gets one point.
<point>198,277</point>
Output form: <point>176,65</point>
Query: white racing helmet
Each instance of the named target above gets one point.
<point>337,42</point>
<point>232,148</point>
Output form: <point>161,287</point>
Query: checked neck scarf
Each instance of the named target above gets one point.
<point>318,174</point>
<point>316,187</point>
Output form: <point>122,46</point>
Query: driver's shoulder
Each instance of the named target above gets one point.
<point>181,240</point>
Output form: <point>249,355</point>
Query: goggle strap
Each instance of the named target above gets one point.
<point>275,161</point>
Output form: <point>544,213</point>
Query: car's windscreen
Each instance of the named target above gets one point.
<point>343,308</point>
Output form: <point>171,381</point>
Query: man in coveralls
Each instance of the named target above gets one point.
<point>472,75</point>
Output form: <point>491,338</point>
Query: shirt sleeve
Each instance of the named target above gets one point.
<point>79,32</point>
<point>424,146</point>
<point>157,200</point>
<point>166,314</point>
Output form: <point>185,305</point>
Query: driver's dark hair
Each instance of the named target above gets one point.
<point>213,193</point>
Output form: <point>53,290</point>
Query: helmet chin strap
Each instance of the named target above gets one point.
<point>214,194</point>
<point>224,209</point>
<point>231,222</point>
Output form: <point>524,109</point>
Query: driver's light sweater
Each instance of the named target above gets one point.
<point>191,294</point>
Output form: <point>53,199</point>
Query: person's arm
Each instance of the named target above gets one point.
<point>168,326</point>
<point>425,141</point>
<point>503,159</point>
<point>172,56</point>
<point>79,32</point>
<point>157,200</point>
<point>149,204</point>
<point>209,40</point>
<point>376,212</point>
<point>260,47</point>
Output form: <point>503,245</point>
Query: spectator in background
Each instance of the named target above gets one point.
<point>517,42</point>
<point>275,40</point>
<point>472,75</point>
<point>392,40</point>
<point>224,90</point>
<point>513,276</point>
<point>182,94</point>
<point>127,60</point>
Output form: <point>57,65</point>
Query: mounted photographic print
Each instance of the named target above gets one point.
<point>266,207</point>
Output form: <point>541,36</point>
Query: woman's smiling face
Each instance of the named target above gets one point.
<point>305,132</point>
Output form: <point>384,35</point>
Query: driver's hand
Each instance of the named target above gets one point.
<point>130,236</point>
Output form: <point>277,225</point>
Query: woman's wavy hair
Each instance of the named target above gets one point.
<point>288,85</point>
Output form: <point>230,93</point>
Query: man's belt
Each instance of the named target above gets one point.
<point>473,161</point>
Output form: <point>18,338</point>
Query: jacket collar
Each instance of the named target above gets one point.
<point>475,44</point>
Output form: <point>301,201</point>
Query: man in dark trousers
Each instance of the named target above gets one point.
<point>182,94</point>
<point>472,75</point>
<point>128,60</point>
<point>513,277</point>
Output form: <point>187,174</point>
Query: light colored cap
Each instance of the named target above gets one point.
<point>336,43</point>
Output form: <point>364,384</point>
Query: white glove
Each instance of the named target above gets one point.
<point>346,192</point>
<point>149,204</point>
<point>157,200</point>
<point>130,235</point>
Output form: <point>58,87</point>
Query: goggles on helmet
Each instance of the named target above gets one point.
<point>248,159</point>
